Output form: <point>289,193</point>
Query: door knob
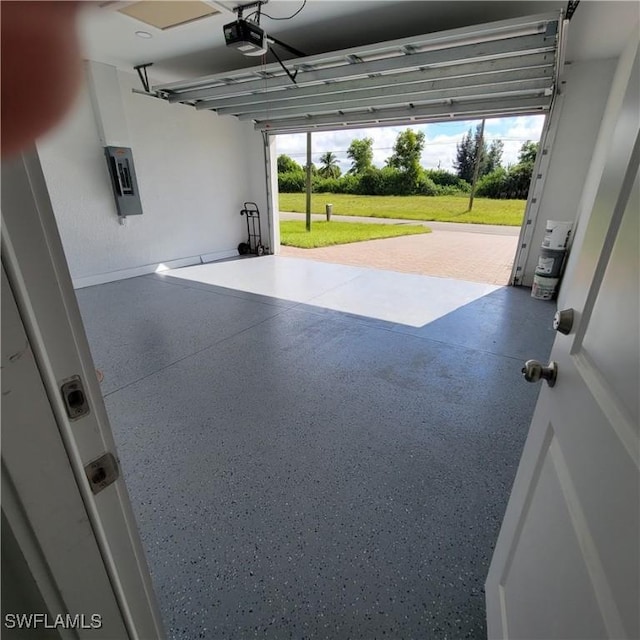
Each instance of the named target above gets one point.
<point>534,371</point>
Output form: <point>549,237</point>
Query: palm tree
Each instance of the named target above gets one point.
<point>329,168</point>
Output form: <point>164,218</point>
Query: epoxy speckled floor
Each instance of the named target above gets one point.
<point>300,472</point>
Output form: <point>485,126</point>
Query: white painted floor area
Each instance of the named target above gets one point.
<point>400,298</point>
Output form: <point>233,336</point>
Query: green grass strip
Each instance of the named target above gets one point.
<point>439,208</point>
<point>293,233</point>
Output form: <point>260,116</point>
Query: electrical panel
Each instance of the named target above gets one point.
<point>123,180</point>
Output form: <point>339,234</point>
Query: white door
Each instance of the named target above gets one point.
<point>567,562</point>
<point>51,559</point>
<point>69,538</point>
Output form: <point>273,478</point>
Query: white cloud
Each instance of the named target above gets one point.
<point>514,132</point>
<point>440,140</point>
<point>440,150</point>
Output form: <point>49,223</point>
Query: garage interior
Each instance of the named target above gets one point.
<point>298,471</point>
<point>311,450</point>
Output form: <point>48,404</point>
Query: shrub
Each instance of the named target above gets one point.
<point>350,183</point>
<point>370,182</point>
<point>444,178</point>
<point>444,190</point>
<point>426,186</point>
<point>511,183</point>
<point>291,182</point>
<point>390,181</point>
<point>326,185</point>
<point>518,180</point>
<point>404,183</point>
<point>393,182</point>
<point>493,185</point>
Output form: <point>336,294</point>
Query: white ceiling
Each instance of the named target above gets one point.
<point>598,30</point>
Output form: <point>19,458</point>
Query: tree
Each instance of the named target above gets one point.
<point>466,153</point>
<point>360,152</point>
<point>520,175</point>
<point>287,164</point>
<point>407,151</point>
<point>494,157</point>
<point>528,152</point>
<point>405,160</point>
<point>513,182</point>
<point>329,168</point>
<point>520,180</point>
<point>314,169</point>
<point>465,157</point>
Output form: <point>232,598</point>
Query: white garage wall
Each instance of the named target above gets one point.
<point>585,97</point>
<point>194,171</point>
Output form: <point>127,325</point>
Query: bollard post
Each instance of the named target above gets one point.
<point>328,208</point>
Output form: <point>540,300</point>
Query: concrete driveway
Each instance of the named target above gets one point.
<point>474,252</point>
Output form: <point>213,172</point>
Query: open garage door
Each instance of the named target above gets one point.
<point>501,68</point>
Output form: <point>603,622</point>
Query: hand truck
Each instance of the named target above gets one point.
<point>254,234</point>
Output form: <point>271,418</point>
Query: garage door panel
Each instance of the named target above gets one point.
<point>387,117</point>
<point>401,62</point>
<point>505,68</point>
<point>426,97</point>
<point>536,63</point>
<point>424,92</point>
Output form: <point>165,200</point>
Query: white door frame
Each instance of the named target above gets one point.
<point>39,280</point>
<point>271,182</point>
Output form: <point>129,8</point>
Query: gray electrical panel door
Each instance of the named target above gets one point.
<point>123,180</point>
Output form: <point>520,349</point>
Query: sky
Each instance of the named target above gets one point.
<point>440,141</point>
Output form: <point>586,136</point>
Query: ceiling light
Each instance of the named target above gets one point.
<point>143,34</point>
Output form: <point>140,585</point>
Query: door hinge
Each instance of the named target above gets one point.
<point>102,472</point>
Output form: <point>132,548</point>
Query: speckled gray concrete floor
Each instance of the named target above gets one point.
<point>302,473</point>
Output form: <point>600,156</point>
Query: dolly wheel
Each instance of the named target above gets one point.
<point>243,248</point>
<point>260,250</point>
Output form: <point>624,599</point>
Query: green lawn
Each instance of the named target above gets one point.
<point>323,234</point>
<point>441,208</point>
